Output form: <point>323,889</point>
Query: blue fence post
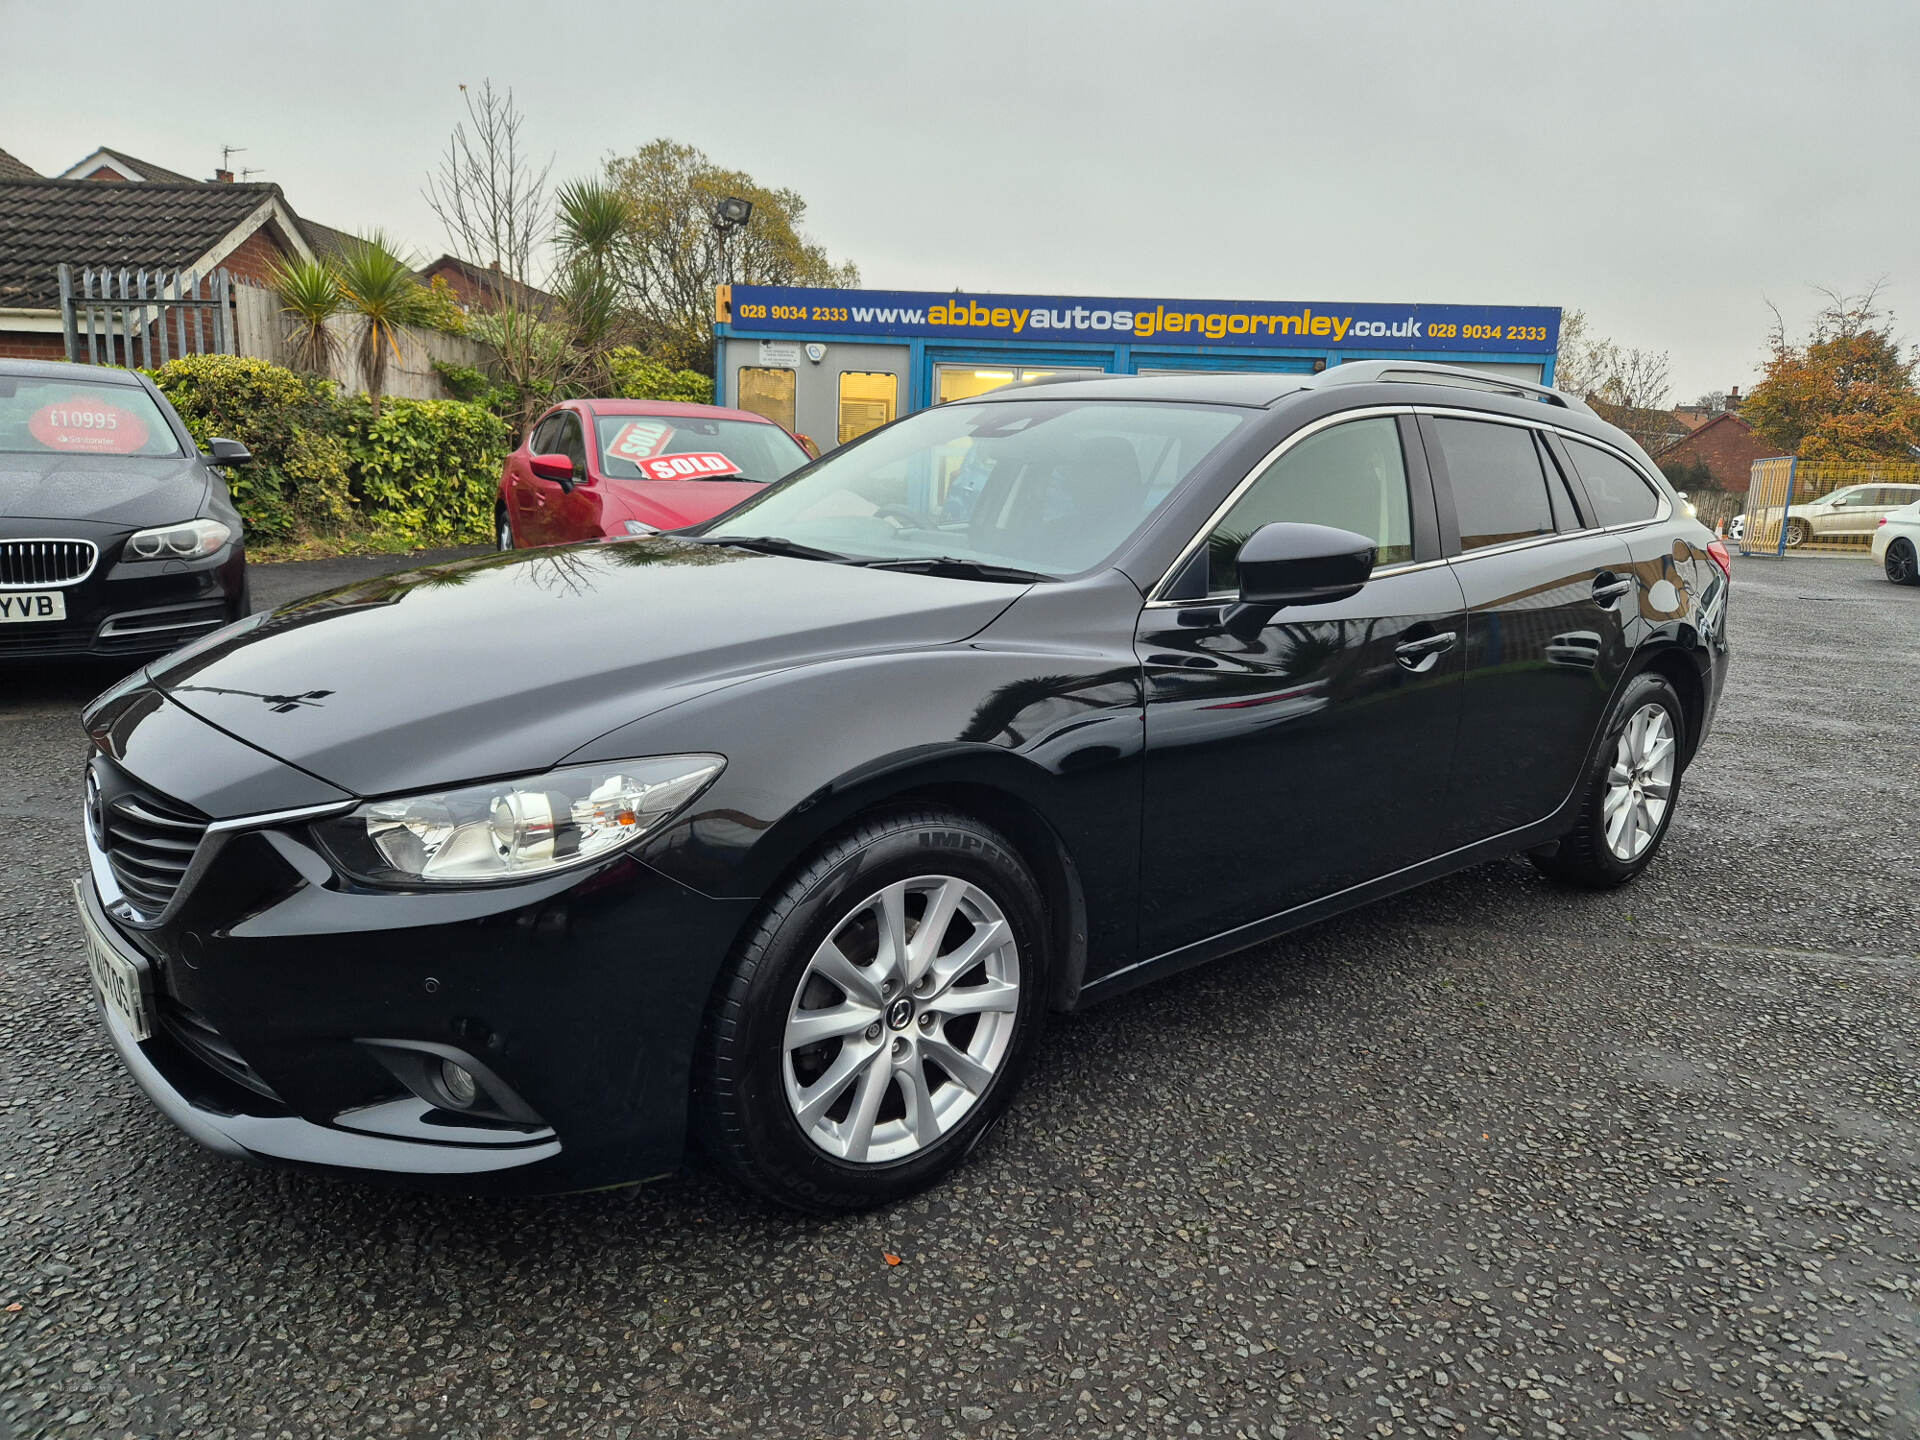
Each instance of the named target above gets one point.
<point>1786,510</point>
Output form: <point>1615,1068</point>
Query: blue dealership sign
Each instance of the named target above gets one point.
<point>1263,324</point>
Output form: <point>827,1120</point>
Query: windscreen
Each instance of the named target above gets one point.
<point>1048,486</point>
<point>78,417</point>
<point>682,447</point>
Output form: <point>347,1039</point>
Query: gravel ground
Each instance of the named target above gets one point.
<point>1491,1159</point>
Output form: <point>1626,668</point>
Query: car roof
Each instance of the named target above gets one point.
<point>671,407</point>
<point>65,370</point>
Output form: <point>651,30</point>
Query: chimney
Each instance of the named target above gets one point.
<point>225,177</point>
<point>1733,399</point>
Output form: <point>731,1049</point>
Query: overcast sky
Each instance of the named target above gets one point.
<point>1667,167</point>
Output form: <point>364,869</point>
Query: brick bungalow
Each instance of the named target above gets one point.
<point>193,225</point>
<point>1726,445</point>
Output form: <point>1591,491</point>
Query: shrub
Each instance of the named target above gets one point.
<point>422,471</point>
<point>428,470</point>
<point>638,376</point>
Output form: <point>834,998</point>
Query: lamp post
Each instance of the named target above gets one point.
<point>729,215</point>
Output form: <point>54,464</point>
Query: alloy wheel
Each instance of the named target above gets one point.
<point>902,1019</point>
<point>1639,783</point>
<point>1903,566</point>
<point>1798,533</point>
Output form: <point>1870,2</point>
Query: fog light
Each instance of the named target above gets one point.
<point>460,1085</point>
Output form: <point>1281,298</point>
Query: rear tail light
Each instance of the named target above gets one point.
<point>1717,553</point>
<point>1882,520</point>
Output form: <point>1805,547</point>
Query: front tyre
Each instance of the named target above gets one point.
<point>1630,792</point>
<point>502,529</point>
<point>876,1021</point>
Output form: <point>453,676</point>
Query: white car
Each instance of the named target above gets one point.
<point>1851,512</point>
<point>1896,545</point>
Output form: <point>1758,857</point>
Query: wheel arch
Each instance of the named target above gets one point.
<point>1674,663</point>
<point>994,787</point>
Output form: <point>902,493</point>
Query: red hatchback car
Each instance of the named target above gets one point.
<point>590,468</point>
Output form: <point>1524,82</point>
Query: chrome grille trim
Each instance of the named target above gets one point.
<point>45,564</point>
<point>150,844</point>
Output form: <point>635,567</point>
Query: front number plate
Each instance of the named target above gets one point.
<point>23,605</point>
<point>116,978</point>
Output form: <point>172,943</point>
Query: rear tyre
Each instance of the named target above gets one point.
<point>1630,791</point>
<point>875,1023</point>
<point>1903,565</point>
<point>502,529</point>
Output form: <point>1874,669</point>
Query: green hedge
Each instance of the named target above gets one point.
<point>426,471</point>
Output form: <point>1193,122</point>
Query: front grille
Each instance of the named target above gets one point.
<point>149,843</point>
<point>27,563</point>
<point>197,1036</point>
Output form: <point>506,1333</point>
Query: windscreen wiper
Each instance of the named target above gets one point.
<point>770,544</point>
<point>956,568</point>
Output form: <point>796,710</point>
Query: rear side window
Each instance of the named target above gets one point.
<point>1619,495</point>
<point>1499,489</point>
<point>1352,476</point>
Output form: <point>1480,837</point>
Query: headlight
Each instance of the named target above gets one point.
<point>634,527</point>
<point>189,540</point>
<point>515,829</point>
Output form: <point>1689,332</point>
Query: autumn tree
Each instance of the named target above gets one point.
<point>673,254</point>
<point>1846,392</point>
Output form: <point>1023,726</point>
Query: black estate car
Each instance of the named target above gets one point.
<point>117,536</point>
<point>785,832</point>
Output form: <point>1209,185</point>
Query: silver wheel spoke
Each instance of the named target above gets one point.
<point>976,947</point>
<point>1617,828</point>
<point>994,996</point>
<point>810,1027</point>
<point>892,913</point>
<point>866,1105</point>
<point>831,963</point>
<point>922,1119</point>
<point>932,929</point>
<point>967,1072</point>
<point>818,1097</point>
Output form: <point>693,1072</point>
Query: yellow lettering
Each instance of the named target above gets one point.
<point>1216,327</point>
<point>1000,319</point>
<point>1239,324</point>
<point>937,315</point>
<point>1142,324</point>
<point>1320,325</point>
<point>1174,324</point>
<point>1196,322</point>
<point>1340,328</point>
<point>1020,320</point>
<point>1290,325</point>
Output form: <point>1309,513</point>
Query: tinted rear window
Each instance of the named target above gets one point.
<point>1619,495</point>
<point>1499,489</point>
<point>80,417</point>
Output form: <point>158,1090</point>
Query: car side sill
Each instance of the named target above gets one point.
<point>1258,932</point>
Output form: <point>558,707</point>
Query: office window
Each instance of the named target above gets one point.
<point>867,399</point>
<point>767,392</point>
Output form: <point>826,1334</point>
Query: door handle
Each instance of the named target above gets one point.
<point>1423,654</point>
<point>1608,587</point>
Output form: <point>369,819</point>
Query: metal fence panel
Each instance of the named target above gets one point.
<point>121,317</point>
<point>1780,489</point>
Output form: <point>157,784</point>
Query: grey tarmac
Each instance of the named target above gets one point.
<point>1494,1158</point>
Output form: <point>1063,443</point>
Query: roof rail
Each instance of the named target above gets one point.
<point>1420,372</point>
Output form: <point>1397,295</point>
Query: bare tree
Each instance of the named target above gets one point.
<point>490,196</point>
<point>493,200</point>
<point>1636,378</point>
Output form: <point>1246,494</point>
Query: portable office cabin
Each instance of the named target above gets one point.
<point>834,364</point>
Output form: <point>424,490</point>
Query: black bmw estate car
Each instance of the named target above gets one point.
<point>117,535</point>
<point>786,832</point>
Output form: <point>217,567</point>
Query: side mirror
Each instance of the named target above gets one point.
<point>223,451</point>
<point>555,467</point>
<point>1288,563</point>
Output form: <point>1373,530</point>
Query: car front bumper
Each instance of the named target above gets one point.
<point>139,608</point>
<point>298,1020</point>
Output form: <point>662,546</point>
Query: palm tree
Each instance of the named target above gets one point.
<point>309,295</point>
<point>591,224</point>
<point>379,288</point>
